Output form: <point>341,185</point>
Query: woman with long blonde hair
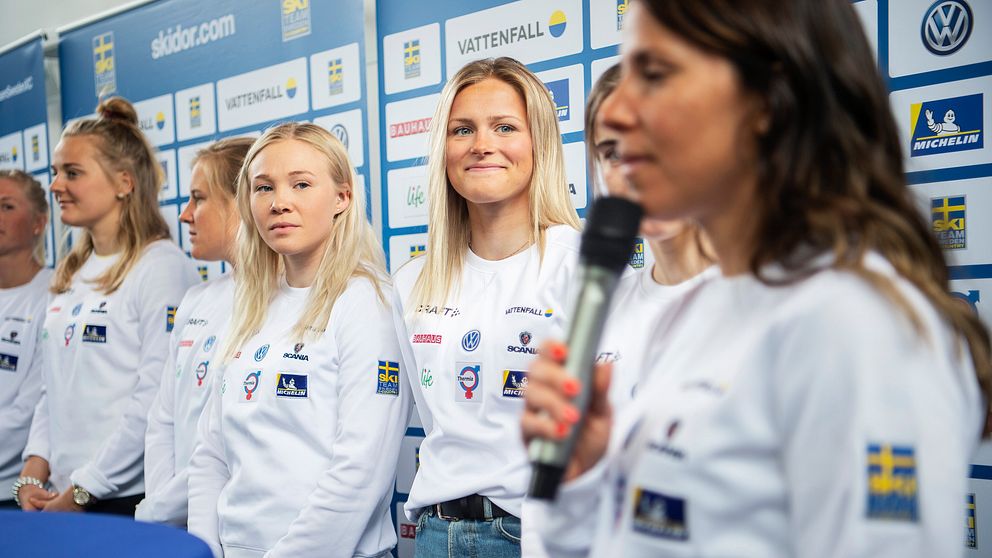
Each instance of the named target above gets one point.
<point>23,295</point>
<point>303,428</point>
<point>107,327</point>
<point>213,221</point>
<point>824,395</point>
<point>501,249</point>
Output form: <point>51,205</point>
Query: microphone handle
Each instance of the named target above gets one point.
<point>550,457</point>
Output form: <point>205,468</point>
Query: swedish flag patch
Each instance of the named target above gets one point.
<point>892,484</point>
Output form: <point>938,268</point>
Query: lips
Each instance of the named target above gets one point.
<point>282,226</point>
<point>484,167</point>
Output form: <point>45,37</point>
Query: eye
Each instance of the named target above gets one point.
<point>262,188</point>
<point>301,185</point>
<point>71,173</point>
<point>461,131</point>
<point>505,128</point>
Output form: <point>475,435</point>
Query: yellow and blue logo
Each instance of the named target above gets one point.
<point>170,318</point>
<point>291,87</point>
<point>389,378</point>
<point>659,515</point>
<point>8,362</point>
<point>416,458</point>
<point>559,95</point>
<point>195,112</point>
<point>104,71</point>
<point>417,250</point>
<point>971,535</point>
<point>892,484</point>
<point>947,217</point>
<point>94,334</point>
<point>514,383</point>
<point>411,59</point>
<point>946,125</point>
<point>557,23</point>
<point>622,6</point>
<point>548,313</point>
<point>35,148</point>
<point>160,120</point>
<point>295,19</point>
<point>335,76</point>
<point>291,385</point>
<point>637,256</point>
<point>13,153</point>
<point>204,272</point>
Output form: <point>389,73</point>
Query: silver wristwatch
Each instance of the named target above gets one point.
<point>20,483</point>
<point>82,497</point>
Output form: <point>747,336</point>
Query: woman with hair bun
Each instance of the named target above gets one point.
<point>106,331</point>
<point>23,294</point>
<point>212,218</point>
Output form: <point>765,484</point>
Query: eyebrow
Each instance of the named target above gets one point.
<point>494,118</point>
<point>262,176</point>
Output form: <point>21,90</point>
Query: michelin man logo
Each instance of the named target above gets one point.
<point>946,127</point>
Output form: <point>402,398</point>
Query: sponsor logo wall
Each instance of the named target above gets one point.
<point>199,72</point>
<point>24,122</point>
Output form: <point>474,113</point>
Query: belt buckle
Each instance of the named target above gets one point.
<point>440,514</point>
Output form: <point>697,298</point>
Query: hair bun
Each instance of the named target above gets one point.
<point>117,108</point>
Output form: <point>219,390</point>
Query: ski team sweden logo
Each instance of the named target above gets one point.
<point>971,537</point>
<point>389,378</point>
<point>892,486</point>
<point>637,256</point>
<point>411,59</point>
<point>195,112</point>
<point>170,318</point>
<point>335,76</point>
<point>946,125</point>
<point>295,19</point>
<point>947,217</point>
<point>104,71</point>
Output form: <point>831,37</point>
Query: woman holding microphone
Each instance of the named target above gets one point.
<point>106,330</point>
<point>823,396</point>
<point>299,440</point>
<point>502,246</point>
<point>201,320</point>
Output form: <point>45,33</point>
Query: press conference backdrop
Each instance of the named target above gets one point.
<point>24,119</point>
<point>201,71</point>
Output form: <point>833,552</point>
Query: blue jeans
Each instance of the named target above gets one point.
<point>467,538</point>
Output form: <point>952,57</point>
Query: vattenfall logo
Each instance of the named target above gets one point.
<point>946,125</point>
<point>946,26</point>
<point>262,95</point>
<point>156,123</point>
<point>556,25</point>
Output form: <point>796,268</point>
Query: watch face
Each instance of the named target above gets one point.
<point>80,496</point>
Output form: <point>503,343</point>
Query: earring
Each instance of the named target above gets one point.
<point>120,196</point>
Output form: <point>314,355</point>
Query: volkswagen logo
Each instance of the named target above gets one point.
<point>947,26</point>
<point>470,341</point>
<point>341,133</point>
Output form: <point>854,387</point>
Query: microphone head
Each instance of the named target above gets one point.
<point>608,238</point>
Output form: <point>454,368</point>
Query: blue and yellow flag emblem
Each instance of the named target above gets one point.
<point>892,484</point>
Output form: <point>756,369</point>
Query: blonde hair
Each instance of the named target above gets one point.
<point>121,147</point>
<point>37,198</point>
<point>448,226</point>
<point>222,162</point>
<point>351,251</point>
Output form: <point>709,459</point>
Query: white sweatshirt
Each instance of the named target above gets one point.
<point>22,315</point>
<point>299,441</point>
<point>103,361</point>
<point>804,420</point>
<point>201,322</point>
<point>472,357</point>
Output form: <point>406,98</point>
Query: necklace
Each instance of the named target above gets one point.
<point>517,251</point>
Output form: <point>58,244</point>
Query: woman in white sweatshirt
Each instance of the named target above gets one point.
<point>823,396</point>
<point>23,297</point>
<point>201,321</point>
<point>301,433</point>
<point>107,327</point>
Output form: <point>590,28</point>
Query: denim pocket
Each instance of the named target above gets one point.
<point>508,527</point>
<point>421,521</point>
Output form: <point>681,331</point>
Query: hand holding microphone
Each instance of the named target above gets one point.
<point>606,246</point>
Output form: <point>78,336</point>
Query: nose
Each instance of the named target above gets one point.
<point>187,215</point>
<point>57,187</point>
<point>481,144</point>
<point>617,110</point>
<point>280,200</point>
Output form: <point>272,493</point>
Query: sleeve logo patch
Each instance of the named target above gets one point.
<point>892,485</point>
<point>291,385</point>
<point>389,378</point>
<point>514,383</point>
<point>170,318</point>
<point>8,362</point>
<point>659,515</point>
<point>94,334</point>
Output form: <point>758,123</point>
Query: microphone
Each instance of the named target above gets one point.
<point>607,242</point>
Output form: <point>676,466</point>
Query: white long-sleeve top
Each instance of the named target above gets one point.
<point>22,315</point>
<point>299,441</point>
<point>201,322</point>
<point>472,356</point>
<point>801,420</point>
<point>103,360</point>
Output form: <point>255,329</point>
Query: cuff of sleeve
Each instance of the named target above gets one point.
<point>37,449</point>
<point>94,482</point>
<point>567,525</point>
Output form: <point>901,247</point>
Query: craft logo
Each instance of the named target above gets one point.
<point>291,385</point>
<point>251,384</point>
<point>335,77</point>
<point>8,362</point>
<point>104,71</point>
<point>470,341</point>
<point>892,485</point>
<point>514,383</point>
<point>389,378</point>
<point>529,310</point>
<point>525,339</point>
<point>514,34</point>
<point>170,318</point>
<point>411,59</point>
<point>417,250</point>
<point>195,112</point>
<point>947,216</point>
<point>946,125</point>
<point>35,148</point>
<point>430,338</point>
<point>295,19</point>
<point>469,378</point>
<point>291,88</point>
<point>94,334</point>
<point>410,127</point>
<point>340,132</point>
<point>637,256</point>
<point>261,352</point>
<point>659,515</point>
<point>971,298</point>
<point>201,373</point>
<point>445,311</point>
<point>621,11</point>
<point>946,26</point>
<point>971,535</point>
<point>559,95</point>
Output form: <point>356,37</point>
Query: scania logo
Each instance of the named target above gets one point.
<point>947,26</point>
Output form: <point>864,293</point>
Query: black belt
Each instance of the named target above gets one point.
<point>474,507</point>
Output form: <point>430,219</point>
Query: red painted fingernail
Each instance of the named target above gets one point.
<point>571,387</point>
<point>558,352</point>
<point>571,415</point>
<point>562,429</point>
